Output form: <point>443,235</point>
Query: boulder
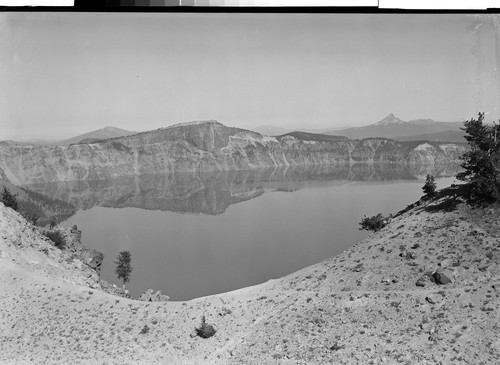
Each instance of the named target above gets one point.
<point>434,298</point>
<point>411,255</point>
<point>421,282</point>
<point>445,263</point>
<point>442,277</point>
<point>150,296</point>
<point>92,258</point>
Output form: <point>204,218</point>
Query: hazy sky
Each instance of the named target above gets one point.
<point>67,74</point>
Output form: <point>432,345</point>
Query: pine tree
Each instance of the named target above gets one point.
<point>482,162</point>
<point>429,187</point>
<point>123,267</point>
<point>9,199</point>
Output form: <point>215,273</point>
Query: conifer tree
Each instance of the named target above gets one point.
<point>429,187</point>
<point>482,162</point>
<point>123,266</point>
<point>9,199</point>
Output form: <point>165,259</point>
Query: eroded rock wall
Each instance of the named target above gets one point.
<point>207,146</point>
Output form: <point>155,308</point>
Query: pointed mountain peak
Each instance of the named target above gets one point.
<point>390,119</point>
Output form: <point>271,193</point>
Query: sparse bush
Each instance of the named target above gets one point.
<point>205,330</point>
<point>144,330</point>
<point>375,223</point>
<point>52,224</point>
<point>429,187</point>
<point>56,237</point>
<point>31,217</point>
<point>9,199</point>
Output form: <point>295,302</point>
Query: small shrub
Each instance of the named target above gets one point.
<point>375,223</point>
<point>205,330</point>
<point>144,330</point>
<point>56,237</point>
<point>30,216</point>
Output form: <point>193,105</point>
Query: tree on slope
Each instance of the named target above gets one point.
<point>482,162</point>
<point>123,267</point>
<point>9,199</point>
<point>429,187</point>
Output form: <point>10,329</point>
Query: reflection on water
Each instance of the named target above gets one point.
<point>213,192</point>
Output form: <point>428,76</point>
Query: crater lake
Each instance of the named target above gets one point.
<point>192,235</point>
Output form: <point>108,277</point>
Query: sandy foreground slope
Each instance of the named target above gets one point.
<point>361,307</point>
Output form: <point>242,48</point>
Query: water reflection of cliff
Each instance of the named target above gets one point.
<point>213,192</point>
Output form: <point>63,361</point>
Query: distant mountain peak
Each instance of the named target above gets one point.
<point>110,128</point>
<point>103,133</point>
<point>390,119</point>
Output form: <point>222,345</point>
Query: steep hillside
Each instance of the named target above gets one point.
<point>206,146</point>
<point>423,290</point>
<point>36,205</point>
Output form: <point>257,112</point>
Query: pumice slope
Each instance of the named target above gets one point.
<point>423,290</point>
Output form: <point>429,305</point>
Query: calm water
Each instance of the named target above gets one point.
<point>196,235</point>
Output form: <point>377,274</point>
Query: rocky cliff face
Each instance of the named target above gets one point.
<point>207,146</point>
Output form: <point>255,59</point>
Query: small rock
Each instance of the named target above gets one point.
<point>445,263</point>
<point>434,298</point>
<point>442,277</point>
<point>150,296</point>
<point>433,335</point>
<point>336,347</point>
<point>411,255</point>
<point>420,282</point>
<point>425,326</point>
<point>358,268</point>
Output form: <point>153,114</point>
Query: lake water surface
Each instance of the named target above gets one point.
<point>193,235</point>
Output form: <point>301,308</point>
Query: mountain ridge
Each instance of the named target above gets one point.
<point>102,133</point>
<point>394,128</point>
<point>390,126</point>
<point>207,146</point>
